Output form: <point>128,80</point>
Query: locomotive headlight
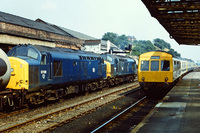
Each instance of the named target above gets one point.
<point>12,70</point>
<point>166,79</point>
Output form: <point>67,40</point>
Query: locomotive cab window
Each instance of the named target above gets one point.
<point>57,68</point>
<point>32,53</point>
<point>165,65</point>
<point>154,65</point>
<point>144,65</point>
<point>44,60</point>
<point>109,58</point>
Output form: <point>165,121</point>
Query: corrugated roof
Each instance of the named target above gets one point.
<point>16,20</point>
<point>78,34</point>
<point>70,32</point>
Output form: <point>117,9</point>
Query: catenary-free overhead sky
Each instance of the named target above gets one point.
<point>96,17</point>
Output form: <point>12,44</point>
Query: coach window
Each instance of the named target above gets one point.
<point>154,65</point>
<point>165,65</point>
<point>144,65</point>
<point>175,65</point>
<point>178,65</point>
<point>57,68</point>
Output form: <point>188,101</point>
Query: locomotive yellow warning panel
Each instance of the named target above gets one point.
<point>19,74</point>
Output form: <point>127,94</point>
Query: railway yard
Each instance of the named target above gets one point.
<point>85,112</point>
<point>56,80</point>
<point>123,108</point>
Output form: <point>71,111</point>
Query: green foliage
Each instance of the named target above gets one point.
<point>161,44</point>
<point>142,47</point>
<point>174,53</point>
<point>138,47</point>
<point>120,41</point>
<point>112,37</point>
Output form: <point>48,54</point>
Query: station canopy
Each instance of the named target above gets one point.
<point>181,18</point>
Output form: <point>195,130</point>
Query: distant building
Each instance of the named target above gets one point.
<point>15,30</point>
<point>102,47</point>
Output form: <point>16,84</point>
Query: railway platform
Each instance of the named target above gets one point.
<point>178,112</point>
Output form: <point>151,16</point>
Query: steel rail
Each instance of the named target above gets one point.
<point>60,110</point>
<point>117,115</point>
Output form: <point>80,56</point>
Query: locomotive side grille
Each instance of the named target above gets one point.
<point>120,68</point>
<point>34,75</point>
<point>125,67</point>
<point>99,69</point>
<point>85,69</point>
<point>112,69</point>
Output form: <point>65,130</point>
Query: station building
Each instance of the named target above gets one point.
<point>15,30</point>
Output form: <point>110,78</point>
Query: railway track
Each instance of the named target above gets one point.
<point>53,119</point>
<point>115,119</point>
<point>25,109</point>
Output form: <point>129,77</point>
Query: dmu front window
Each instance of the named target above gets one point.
<point>144,65</point>
<point>57,68</point>
<point>165,65</point>
<point>154,65</point>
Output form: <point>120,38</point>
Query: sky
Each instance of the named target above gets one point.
<point>97,17</point>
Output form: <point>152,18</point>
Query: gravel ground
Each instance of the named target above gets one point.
<point>91,121</point>
<point>8,121</point>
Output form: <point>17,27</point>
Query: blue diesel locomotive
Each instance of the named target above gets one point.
<point>40,73</point>
<point>119,69</point>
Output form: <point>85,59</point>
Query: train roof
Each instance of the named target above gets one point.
<point>21,51</point>
<point>41,48</point>
<point>179,58</point>
<point>120,57</point>
<point>155,51</point>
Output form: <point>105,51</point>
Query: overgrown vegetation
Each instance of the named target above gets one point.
<point>139,46</point>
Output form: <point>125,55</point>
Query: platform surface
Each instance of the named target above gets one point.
<point>179,112</point>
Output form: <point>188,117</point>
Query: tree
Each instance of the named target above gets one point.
<point>120,41</point>
<point>112,37</point>
<point>160,43</point>
<point>142,47</point>
<point>174,53</point>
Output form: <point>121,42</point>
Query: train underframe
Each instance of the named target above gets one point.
<point>155,90</point>
<point>15,99</point>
